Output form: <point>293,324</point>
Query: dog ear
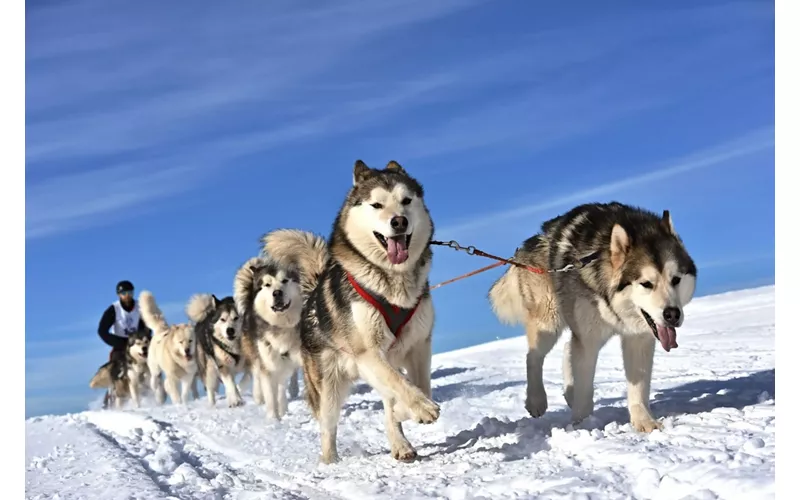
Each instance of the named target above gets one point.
<point>216,301</point>
<point>666,221</point>
<point>361,172</point>
<point>620,244</point>
<point>395,167</point>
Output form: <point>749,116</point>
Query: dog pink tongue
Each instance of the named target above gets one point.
<point>668,337</point>
<point>397,250</point>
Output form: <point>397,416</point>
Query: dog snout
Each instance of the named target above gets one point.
<point>277,294</point>
<point>399,223</point>
<point>672,315</point>
<point>231,332</point>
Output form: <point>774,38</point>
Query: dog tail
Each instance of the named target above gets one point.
<point>516,292</point>
<point>151,315</point>
<point>102,379</point>
<point>243,286</point>
<point>200,306</point>
<point>306,250</point>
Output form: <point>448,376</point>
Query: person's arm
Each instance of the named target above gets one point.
<point>106,322</point>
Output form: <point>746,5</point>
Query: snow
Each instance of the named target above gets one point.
<point>716,394</point>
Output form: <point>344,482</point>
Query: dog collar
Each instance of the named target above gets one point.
<point>395,317</point>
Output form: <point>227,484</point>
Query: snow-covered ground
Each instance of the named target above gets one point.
<point>716,394</point>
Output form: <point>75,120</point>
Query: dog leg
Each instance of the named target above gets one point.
<point>580,369</point>
<point>282,401</point>
<point>333,393</point>
<point>212,383</point>
<point>269,390</point>
<point>541,340</point>
<point>171,386</point>
<point>391,384</point>
<point>402,449</point>
<point>418,365</point>
<point>258,393</point>
<point>294,385</point>
<point>187,384</point>
<point>195,393</point>
<point>637,357</point>
<point>133,388</point>
<point>231,391</point>
<point>157,386</point>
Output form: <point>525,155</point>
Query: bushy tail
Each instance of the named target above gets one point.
<point>200,306</point>
<point>506,298</point>
<point>303,249</point>
<point>243,290</point>
<point>102,379</point>
<point>151,315</point>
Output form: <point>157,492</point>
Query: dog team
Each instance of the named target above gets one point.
<point>357,305</point>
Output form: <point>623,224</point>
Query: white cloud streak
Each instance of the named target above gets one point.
<point>752,143</point>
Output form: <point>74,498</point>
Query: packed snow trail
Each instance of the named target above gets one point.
<point>716,392</point>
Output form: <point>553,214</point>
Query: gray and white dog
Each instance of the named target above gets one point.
<point>268,296</point>
<point>218,327</point>
<point>636,287</point>
<point>368,312</point>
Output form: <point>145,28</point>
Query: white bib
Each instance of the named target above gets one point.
<point>125,322</point>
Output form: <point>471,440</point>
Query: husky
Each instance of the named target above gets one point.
<point>268,297</point>
<point>218,328</point>
<point>368,311</point>
<point>637,285</point>
<point>126,373</point>
<point>172,351</point>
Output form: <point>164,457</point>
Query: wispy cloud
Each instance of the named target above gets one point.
<point>757,141</point>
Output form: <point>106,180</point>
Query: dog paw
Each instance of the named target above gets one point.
<point>646,425</point>
<point>329,458</point>
<point>404,453</point>
<point>234,402</point>
<point>642,420</point>
<point>536,406</point>
<point>425,411</point>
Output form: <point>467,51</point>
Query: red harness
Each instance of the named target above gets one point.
<point>395,317</point>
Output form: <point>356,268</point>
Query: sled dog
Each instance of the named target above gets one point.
<point>637,285</point>
<point>368,312</point>
<point>218,328</point>
<point>172,351</point>
<point>126,373</point>
<point>268,297</point>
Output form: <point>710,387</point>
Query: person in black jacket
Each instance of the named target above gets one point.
<point>122,318</point>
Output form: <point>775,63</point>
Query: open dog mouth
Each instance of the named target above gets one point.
<point>664,334</point>
<point>282,306</point>
<point>396,246</point>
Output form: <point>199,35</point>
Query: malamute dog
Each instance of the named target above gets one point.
<point>172,351</point>
<point>126,373</point>
<point>218,329</point>
<point>269,299</point>
<point>637,287</point>
<point>368,311</point>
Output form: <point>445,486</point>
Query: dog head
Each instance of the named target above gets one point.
<point>385,217</point>
<point>227,324</point>
<point>656,278</point>
<point>183,341</point>
<point>278,298</point>
<point>138,344</point>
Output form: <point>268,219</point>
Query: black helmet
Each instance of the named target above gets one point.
<point>124,286</point>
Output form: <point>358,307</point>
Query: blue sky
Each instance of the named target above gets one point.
<point>162,139</point>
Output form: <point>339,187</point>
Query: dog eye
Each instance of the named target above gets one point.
<point>676,281</point>
<point>647,285</point>
<point>377,206</point>
<point>267,285</point>
<point>406,201</point>
<point>285,281</point>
